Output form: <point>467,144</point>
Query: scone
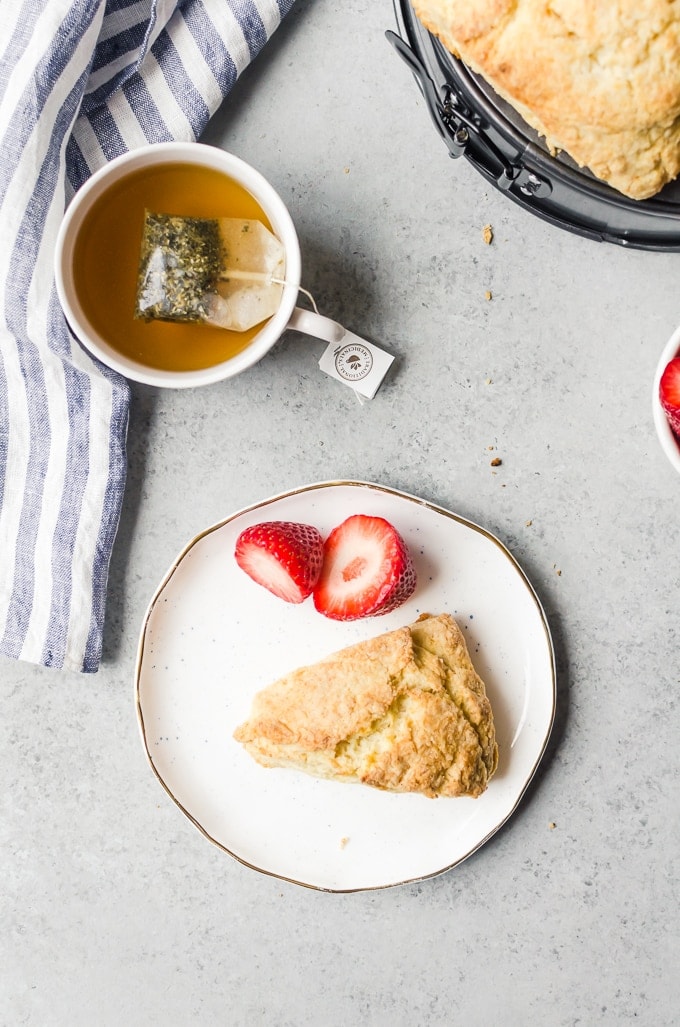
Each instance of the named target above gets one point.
<point>404,712</point>
<point>599,80</point>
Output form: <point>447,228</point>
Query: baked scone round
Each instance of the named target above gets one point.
<point>405,712</point>
<point>598,80</point>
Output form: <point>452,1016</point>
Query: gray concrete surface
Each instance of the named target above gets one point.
<point>114,909</point>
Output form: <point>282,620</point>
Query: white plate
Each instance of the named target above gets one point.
<point>212,638</point>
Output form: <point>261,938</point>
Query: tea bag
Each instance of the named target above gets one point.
<point>226,272</point>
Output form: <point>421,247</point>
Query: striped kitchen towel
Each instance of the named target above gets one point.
<point>81,81</point>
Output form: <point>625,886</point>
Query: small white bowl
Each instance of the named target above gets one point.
<point>669,441</point>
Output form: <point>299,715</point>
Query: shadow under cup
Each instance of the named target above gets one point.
<point>97,261</point>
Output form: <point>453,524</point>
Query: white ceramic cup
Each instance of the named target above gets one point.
<point>287,316</point>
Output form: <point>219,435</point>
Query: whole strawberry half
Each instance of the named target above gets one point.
<point>283,556</point>
<point>367,570</point>
<point>669,393</point>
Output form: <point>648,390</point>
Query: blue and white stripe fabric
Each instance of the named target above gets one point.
<point>81,81</point>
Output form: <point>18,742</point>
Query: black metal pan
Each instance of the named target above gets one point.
<point>475,123</point>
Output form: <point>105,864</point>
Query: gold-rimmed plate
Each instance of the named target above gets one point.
<point>211,638</point>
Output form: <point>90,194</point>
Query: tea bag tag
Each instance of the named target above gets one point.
<point>348,358</point>
<point>356,362</point>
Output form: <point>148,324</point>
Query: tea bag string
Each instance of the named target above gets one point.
<point>311,299</point>
<point>261,276</point>
<point>305,292</point>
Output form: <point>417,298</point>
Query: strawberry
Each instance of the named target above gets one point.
<point>367,570</point>
<point>283,556</point>
<point>669,393</point>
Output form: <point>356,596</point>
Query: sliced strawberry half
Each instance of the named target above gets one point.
<point>367,570</point>
<point>283,556</point>
<point>669,393</point>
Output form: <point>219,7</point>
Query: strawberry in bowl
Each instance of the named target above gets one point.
<point>669,393</point>
<point>666,400</point>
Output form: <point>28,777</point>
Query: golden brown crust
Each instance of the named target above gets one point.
<point>601,81</point>
<point>405,711</point>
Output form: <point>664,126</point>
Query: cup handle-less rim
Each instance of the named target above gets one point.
<point>159,153</point>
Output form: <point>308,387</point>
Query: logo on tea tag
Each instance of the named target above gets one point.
<point>356,362</point>
<point>353,361</point>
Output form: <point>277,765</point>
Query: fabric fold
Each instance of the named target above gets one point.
<point>81,81</point>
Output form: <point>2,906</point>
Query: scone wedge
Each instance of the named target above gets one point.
<point>404,712</point>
